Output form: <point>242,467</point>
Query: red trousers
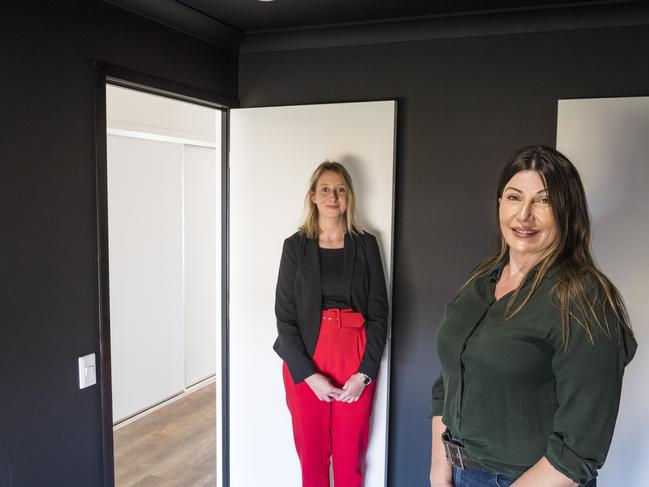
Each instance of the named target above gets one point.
<point>332,429</point>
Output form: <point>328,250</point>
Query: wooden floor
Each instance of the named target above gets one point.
<point>174,446</point>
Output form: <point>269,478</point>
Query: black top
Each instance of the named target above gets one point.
<point>298,301</point>
<point>515,392</point>
<point>332,264</point>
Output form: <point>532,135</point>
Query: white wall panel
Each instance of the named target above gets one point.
<point>608,140</point>
<point>146,272</point>
<point>202,210</point>
<point>273,152</point>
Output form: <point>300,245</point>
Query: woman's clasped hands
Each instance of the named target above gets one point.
<point>326,391</point>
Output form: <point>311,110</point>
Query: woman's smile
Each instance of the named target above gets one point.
<point>524,232</point>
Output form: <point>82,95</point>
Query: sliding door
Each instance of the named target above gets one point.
<point>164,245</point>
<point>145,223</point>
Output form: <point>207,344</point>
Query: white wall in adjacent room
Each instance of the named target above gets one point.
<point>608,140</point>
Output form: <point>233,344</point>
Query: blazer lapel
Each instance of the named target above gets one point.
<point>349,257</point>
<point>311,268</point>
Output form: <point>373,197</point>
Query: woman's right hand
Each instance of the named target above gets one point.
<point>441,473</point>
<point>322,387</point>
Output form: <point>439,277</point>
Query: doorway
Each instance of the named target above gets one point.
<point>161,192</point>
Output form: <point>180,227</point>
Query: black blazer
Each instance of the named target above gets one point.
<point>298,301</point>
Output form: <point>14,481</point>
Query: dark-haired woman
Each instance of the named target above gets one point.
<point>534,346</point>
<point>331,308</point>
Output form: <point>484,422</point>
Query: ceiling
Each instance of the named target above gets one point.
<point>250,16</point>
<point>254,25</point>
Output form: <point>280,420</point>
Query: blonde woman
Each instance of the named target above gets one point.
<point>331,307</point>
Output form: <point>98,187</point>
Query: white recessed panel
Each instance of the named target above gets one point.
<point>273,153</point>
<point>608,140</point>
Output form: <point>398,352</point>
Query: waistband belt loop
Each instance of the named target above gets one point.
<point>333,317</point>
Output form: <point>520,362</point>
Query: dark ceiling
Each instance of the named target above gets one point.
<point>255,15</point>
<point>256,25</point>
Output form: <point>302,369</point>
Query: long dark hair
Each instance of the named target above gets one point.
<point>570,252</point>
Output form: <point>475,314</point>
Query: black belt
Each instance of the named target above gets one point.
<point>457,456</point>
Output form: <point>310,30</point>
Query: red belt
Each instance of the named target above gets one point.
<point>341,318</point>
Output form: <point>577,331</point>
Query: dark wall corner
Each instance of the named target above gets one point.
<point>50,432</point>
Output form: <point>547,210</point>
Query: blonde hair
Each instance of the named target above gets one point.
<point>309,225</point>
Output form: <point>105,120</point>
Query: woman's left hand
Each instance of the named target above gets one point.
<point>352,389</point>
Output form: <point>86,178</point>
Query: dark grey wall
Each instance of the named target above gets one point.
<point>49,429</point>
<point>464,106</point>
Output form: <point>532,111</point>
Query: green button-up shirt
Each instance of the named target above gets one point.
<point>514,394</point>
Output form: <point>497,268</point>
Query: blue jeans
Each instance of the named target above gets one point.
<point>470,477</point>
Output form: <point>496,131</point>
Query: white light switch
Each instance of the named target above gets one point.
<point>87,371</point>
